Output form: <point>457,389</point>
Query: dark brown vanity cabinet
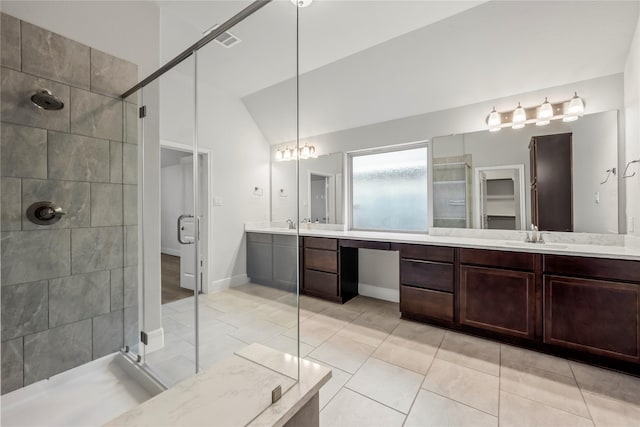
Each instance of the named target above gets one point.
<point>551,182</point>
<point>426,282</point>
<point>497,292</point>
<point>593,305</point>
<point>322,275</point>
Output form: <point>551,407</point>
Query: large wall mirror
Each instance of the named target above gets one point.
<point>320,189</point>
<point>502,180</point>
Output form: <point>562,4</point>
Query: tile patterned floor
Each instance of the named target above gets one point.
<point>392,372</point>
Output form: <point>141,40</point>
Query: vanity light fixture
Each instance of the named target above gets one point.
<point>541,115</point>
<point>494,120</point>
<point>302,3</point>
<point>519,117</point>
<point>306,152</point>
<point>545,112</point>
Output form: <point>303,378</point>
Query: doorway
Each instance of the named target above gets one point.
<point>177,226</point>
<point>500,197</point>
<point>321,198</point>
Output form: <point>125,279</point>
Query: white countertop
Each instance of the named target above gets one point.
<point>560,248</point>
<point>236,391</point>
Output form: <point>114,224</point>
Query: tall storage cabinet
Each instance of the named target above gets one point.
<point>551,182</point>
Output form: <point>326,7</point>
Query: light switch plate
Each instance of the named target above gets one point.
<point>217,201</point>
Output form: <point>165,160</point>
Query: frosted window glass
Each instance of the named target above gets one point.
<point>389,190</point>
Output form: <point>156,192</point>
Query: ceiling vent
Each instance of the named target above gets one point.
<point>226,39</point>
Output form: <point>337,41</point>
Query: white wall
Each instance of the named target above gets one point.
<point>171,185</point>
<point>239,158</point>
<point>632,128</point>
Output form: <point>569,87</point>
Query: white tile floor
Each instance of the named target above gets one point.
<point>388,371</point>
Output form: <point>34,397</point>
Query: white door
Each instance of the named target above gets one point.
<point>187,227</point>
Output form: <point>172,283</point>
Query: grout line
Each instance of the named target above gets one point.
<point>425,375</point>
<point>547,406</point>
<point>581,394</point>
<point>373,400</point>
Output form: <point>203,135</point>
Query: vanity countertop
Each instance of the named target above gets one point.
<point>235,391</point>
<point>560,248</point>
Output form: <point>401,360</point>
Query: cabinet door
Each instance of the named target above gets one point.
<point>497,300</point>
<point>285,265</point>
<point>597,316</point>
<point>260,262</point>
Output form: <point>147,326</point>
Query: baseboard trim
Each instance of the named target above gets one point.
<point>155,340</point>
<point>228,282</point>
<point>386,294</point>
<point>170,251</point>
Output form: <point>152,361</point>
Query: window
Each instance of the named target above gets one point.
<point>389,189</point>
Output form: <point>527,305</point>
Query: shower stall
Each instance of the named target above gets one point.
<point>80,172</point>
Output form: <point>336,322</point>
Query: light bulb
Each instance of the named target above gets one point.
<point>494,120</point>
<point>519,117</point>
<point>304,152</point>
<point>576,106</point>
<point>545,111</point>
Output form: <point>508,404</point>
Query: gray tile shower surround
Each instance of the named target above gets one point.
<point>69,290</point>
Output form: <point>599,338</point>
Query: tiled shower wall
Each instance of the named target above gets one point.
<point>69,291</point>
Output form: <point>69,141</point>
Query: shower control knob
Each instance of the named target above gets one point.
<point>44,213</point>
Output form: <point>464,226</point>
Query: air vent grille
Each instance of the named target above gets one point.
<point>227,39</point>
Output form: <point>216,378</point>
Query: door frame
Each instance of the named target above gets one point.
<point>207,171</point>
<point>477,215</point>
<point>330,204</point>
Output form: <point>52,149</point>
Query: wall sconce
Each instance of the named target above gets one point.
<point>541,115</point>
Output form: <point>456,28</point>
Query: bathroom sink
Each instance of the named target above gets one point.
<point>530,244</point>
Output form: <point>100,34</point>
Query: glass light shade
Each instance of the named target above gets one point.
<point>494,120</point>
<point>570,119</point>
<point>304,152</point>
<point>312,152</point>
<point>302,3</point>
<point>545,111</point>
<point>278,155</point>
<point>543,122</point>
<point>287,154</point>
<point>576,106</point>
<point>519,117</point>
<point>495,129</point>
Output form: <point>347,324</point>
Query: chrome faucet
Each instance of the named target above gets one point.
<point>292,226</point>
<point>533,238</point>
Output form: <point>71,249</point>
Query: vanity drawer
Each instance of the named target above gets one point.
<point>597,268</point>
<point>425,253</point>
<point>427,274</point>
<point>318,282</point>
<point>318,259</point>
<point>499,259</point>
<point>321,243</point>
<point>259,237</point>
<point>426,303</point>
<point>365,244</point>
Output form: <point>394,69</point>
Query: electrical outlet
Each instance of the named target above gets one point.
<point>257,192</point>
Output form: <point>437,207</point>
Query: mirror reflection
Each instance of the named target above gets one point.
<point>553,177</point>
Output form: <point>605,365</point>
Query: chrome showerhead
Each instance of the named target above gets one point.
<point>45,100</point>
